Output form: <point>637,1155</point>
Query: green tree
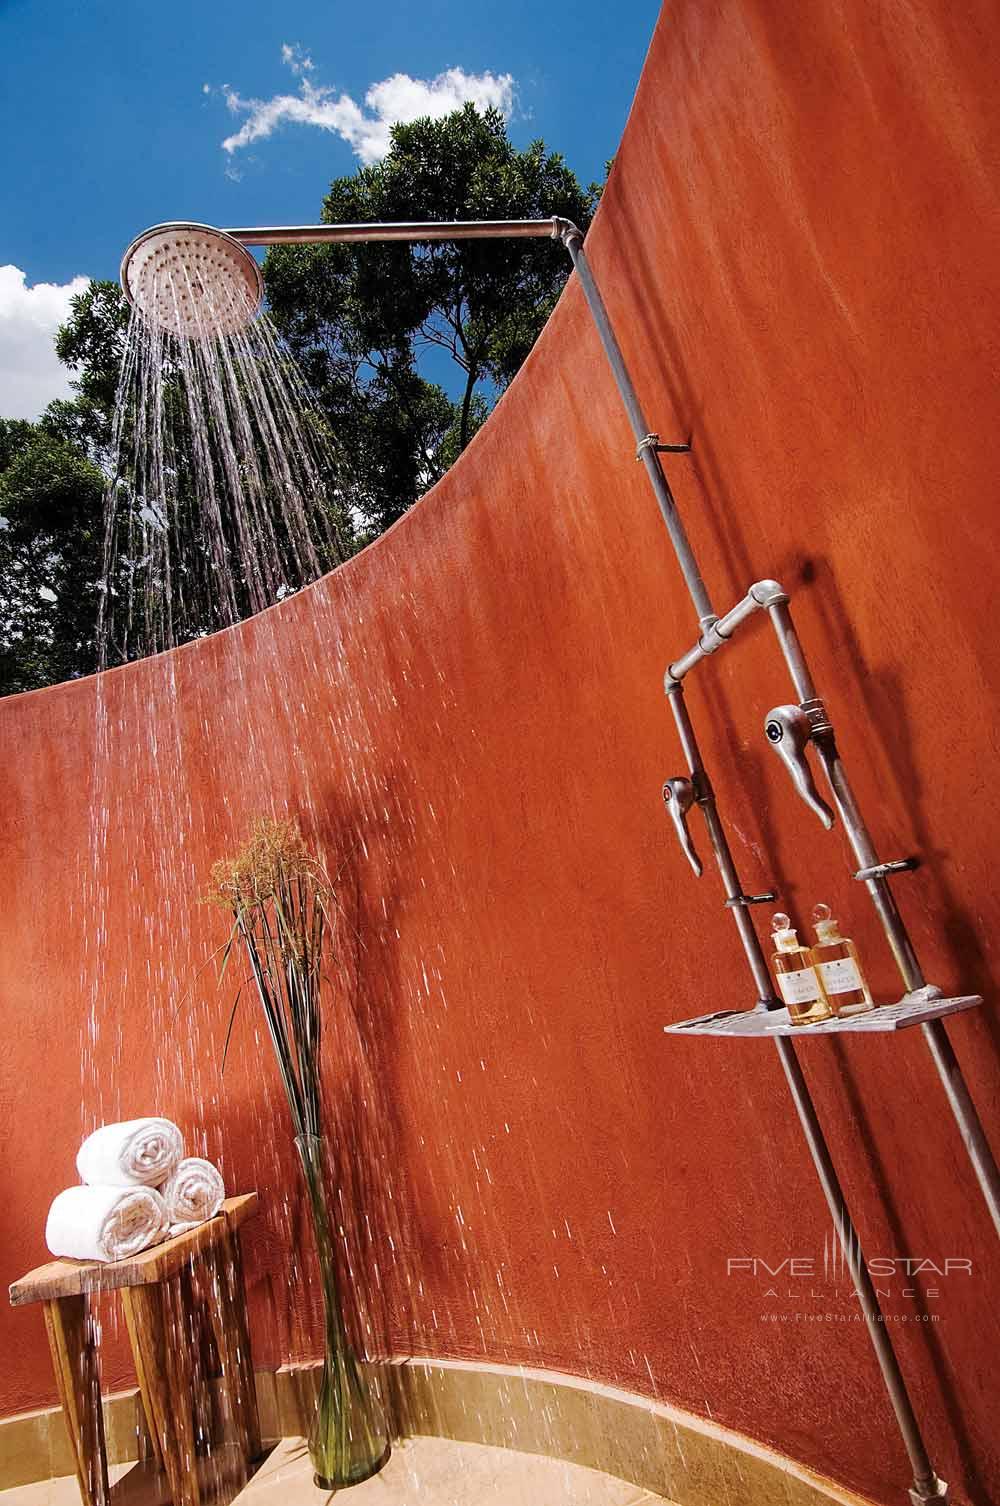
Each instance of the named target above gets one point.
<point>52,505</point>
<point>360,318</point>
<point>369,324</point>
<point>50,556</point>
<point>92,344</point>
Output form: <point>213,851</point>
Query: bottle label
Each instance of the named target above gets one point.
<point>800,987</point>
<point>841,976</point>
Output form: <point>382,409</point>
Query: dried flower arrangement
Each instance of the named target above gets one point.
<point>285,921</point>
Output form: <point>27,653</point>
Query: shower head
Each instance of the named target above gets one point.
<point>192,280</point>
<point>197,281</point>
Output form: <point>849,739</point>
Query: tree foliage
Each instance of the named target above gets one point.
<point>51,531</point>
<point>406,347</point>
<point>362,318</point>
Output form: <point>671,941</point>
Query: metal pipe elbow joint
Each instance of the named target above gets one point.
<point>769,593</point>
<point>564,230</point>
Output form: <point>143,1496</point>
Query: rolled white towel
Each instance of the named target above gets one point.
<point>105,1223</point>
<point>193,1194</point>
<point>136,1153</point>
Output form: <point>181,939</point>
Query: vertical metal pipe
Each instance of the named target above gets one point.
<point>949,1070</point>
<point>969,1123</point>
<point>705,797</point>
<point>853,823</point>
<point>926,1485</point>
<point>788,639</point>
<point>573,241</point>
<point>866,856</point>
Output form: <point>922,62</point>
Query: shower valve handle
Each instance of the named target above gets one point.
<point>678,797</point>
<point>788,730</point>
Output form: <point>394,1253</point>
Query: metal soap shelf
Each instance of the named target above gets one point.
<point>760,1023</point>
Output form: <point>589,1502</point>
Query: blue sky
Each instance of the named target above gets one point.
<point>114,118</point>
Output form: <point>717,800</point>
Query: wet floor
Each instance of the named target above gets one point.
<point>427,1471</point>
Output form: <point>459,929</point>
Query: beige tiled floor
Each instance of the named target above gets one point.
<point>421,1472</point>
<point>61,1492</point>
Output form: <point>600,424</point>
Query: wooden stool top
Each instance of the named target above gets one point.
<point>70,1278</point>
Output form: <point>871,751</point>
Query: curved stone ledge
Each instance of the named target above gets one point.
<point>650,1444</point>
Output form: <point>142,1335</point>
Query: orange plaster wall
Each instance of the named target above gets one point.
<point>800,248</point>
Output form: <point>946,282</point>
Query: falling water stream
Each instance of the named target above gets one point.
<point>220,500</point>
<point>218,506</point>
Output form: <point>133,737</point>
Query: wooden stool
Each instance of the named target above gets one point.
<point>154,1287</point>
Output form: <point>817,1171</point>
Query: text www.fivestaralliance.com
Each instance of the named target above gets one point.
<point>849,1318</point>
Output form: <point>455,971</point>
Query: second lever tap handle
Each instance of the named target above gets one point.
<point>788,730</point>
<point>678,797</point>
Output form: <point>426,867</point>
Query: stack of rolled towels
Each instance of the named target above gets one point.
<point>138,1188</point>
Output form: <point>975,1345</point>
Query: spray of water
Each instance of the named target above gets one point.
<point>220,500</point>
<point>219,505</point>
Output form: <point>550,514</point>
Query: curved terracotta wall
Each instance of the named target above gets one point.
<point>800,247</point>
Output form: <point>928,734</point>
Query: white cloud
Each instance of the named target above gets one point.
<point>30,373</point>
<point>366,130</point>
<point>299,61</point>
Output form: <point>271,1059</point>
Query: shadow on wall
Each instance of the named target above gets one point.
<point>889,718</point>
<point>361,1120</point>
<point>495,659</point>
<point>364,1124</point>
<point>871,702</point>
<point>742,505</point>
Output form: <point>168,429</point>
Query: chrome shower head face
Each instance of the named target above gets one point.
<point>192,280</point>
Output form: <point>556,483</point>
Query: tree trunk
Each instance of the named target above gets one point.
<point>470,387</point>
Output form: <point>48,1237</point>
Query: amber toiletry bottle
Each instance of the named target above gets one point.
<point>798,981</point>
<point>836,961</point>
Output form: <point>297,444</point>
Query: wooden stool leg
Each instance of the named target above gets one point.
<point>155,1317</point>
<point>233,1309</point>
<point>78,1376</point>
<point>192,1281</point>
<point>140,1351</point>
<point>218,1272</point>
<point>181,1384</point>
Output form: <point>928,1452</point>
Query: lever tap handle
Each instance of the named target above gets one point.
<point>678,797</point>
<point>788,730</point>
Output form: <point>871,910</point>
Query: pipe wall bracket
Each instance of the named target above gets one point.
<point>886,870</point>
<point>937,1490</point>
<point>651,442</point>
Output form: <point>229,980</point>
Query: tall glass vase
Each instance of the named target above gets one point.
<point>349,1439</point>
